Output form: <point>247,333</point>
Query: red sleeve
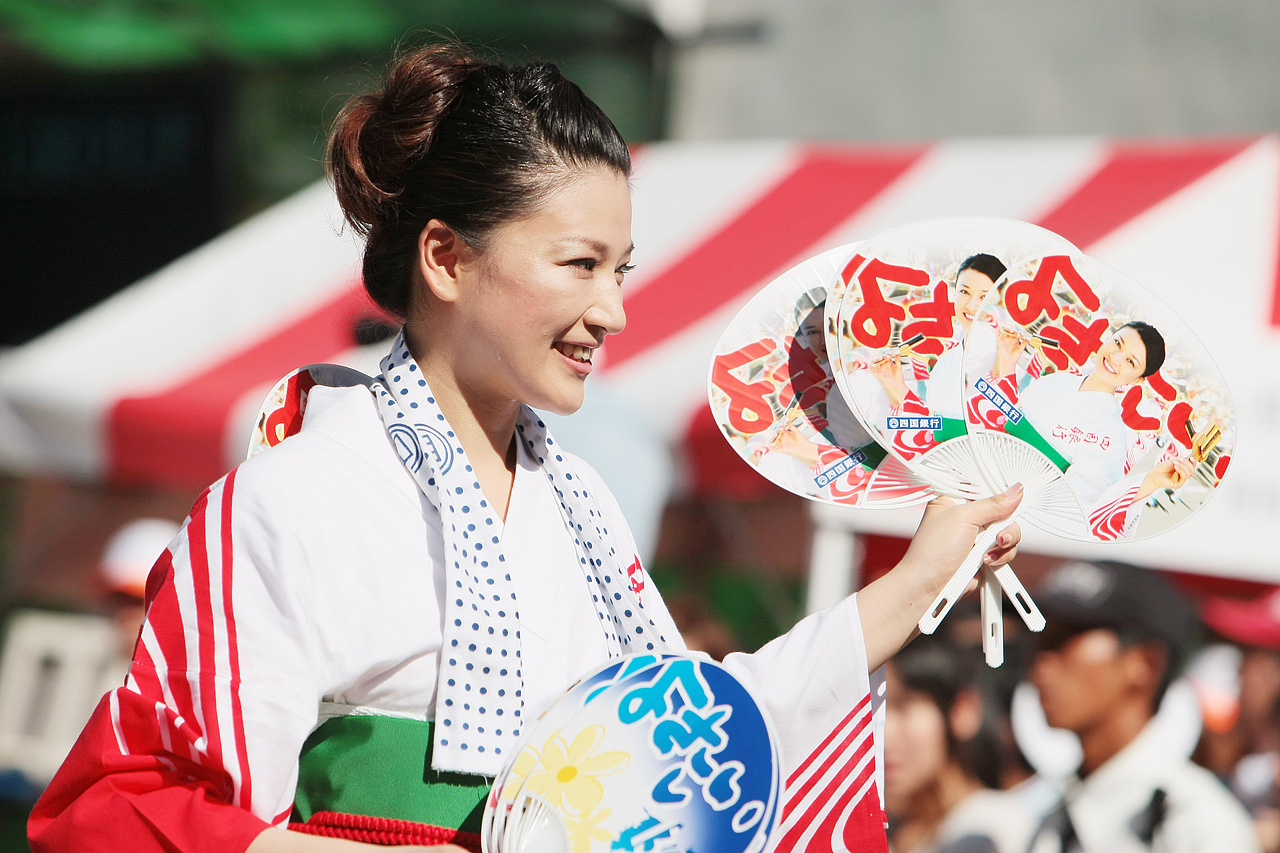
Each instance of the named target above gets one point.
<point>1110,519</point>
<point>910,443</point>
<point>161,765</point>
<point>140,798</point>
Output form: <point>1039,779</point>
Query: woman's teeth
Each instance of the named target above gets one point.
<point>576,353</point>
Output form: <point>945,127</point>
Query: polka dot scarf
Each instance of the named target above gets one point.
<point>479,704</point>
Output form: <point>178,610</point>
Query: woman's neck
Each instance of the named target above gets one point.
<point>485,430</point>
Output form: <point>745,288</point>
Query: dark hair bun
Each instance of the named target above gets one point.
<point>377,137</point>
<point>469,143</point>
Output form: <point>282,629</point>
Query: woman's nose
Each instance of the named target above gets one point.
<point>607,313</point>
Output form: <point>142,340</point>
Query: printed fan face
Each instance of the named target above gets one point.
<point>904,330</point>
<point>1142,441</point>
<point>647,753</point>
<point>773,394</point>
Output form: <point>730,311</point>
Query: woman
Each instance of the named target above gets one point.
<point>935,795</point>
<point>1077,418</point>
<point>360,620</point>
<point>970,352</point>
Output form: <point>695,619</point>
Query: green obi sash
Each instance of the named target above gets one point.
<point>1025,431</point>
<point>381,767</point>
<point>951,428</point>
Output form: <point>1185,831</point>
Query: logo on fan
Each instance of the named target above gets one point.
<point>998,400</point>
<point>900,422</point>
<point>414,443</point>
<point>844,465</point>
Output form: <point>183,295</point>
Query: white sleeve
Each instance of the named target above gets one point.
<point>811,678</point>
<point>1093,471</point>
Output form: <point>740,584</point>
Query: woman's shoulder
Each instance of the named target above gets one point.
<point>339,458</point>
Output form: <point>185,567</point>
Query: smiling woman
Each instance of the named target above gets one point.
<point>353,628</point>
<point>1063,406</point>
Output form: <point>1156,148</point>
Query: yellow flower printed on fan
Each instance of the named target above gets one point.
<point>570,774</point>
<point>583,830</point>
<point>520,769</point>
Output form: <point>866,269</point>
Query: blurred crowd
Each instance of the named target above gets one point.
<point>1140,719</point>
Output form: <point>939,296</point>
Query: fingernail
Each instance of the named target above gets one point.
<point>1014,490</point>
<point>1005,539</point>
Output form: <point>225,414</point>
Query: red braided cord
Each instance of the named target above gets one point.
<point>384,830</point>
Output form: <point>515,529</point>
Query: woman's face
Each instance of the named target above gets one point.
<point>915,744</point>
<point>535,306</point>
<point>811,335</point>
<point>1122,359</point>
<point>972,288</point>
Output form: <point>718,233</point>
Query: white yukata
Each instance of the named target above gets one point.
<point>1086,428</point>
<point>959,366</point>
<point>311,578</point>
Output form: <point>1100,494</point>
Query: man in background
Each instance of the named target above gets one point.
<point>1116,637</point>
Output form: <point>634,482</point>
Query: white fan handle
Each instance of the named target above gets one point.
<point>955,587</point>
<point>1021,599</point>
<point>992,618</point>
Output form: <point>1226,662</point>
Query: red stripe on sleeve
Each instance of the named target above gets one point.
<point>228,604</point>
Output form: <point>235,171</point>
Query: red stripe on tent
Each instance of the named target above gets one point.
<point>1134,178</point>
<point>176,436</point>
<point>1275,292</point>
<point>824,190</point>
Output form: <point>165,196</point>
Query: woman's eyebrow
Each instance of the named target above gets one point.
<point>591,244</point>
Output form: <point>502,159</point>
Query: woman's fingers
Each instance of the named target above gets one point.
<point>1006,547</point>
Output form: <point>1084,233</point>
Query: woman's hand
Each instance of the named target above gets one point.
<point>789,440</point>
<point>890,607</point>
<point>888,369</point>
<point>1169,474</point>
<point>1009,347</point>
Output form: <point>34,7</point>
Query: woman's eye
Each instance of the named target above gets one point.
<point>587,264</point>
<point>625,268</point>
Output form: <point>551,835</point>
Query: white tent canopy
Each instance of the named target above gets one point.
<point>159,383</point>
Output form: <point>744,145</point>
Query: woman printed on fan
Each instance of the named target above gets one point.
<point>1079,416</point>
<point>970,352</point>
<point>353,628</point>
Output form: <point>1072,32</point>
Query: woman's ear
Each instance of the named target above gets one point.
<point>440,254</point>
<point>966,714</point>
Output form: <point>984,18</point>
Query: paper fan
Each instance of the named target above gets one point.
<point>1113,389</point>
<point>906,334</point>
<point>646,753</point>
<point>282,410</point>
<point>773,394</point>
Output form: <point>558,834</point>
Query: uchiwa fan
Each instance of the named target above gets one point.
<point>1113,389</point>
<point>772,392</point>
<point>649,752</point>
<point>906,334</point>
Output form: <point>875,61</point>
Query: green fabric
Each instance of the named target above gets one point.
<point>381,766</point>
<point>874,454</point>
<point>951,428</point>
<point>1025,431</point>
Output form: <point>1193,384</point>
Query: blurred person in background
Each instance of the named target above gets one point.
<point>942,763</point>
<point>126,561</point>
<point>1246,753</point>
<point>1116,637</point>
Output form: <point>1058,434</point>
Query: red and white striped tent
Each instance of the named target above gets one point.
<point>159,384</point>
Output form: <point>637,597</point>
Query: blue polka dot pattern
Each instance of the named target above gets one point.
<point>440,467</point>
